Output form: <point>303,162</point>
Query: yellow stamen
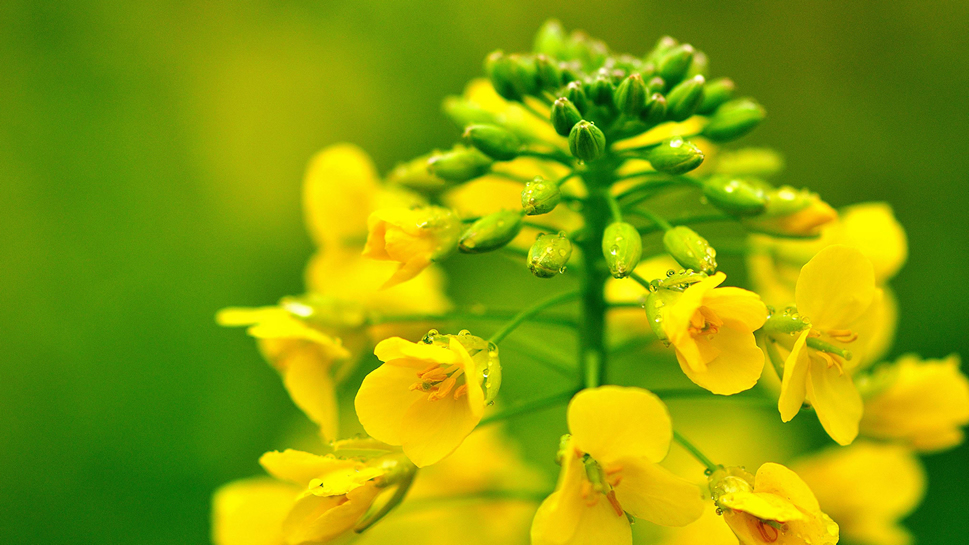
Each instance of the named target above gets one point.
<point>843,335</point>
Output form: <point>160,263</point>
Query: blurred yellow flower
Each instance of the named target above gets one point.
<point>834,291</point>
<point>411,237</point>
<point>426,397</point>
<point>775,506</point>
<point>791,212</point>
<point>922,403</point>
<point>868,488</point>
<point>303,355</point>
<point>609,468</point>
<point>712,329</point>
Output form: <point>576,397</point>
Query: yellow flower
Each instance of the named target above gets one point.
<point>712,329</point>
<point>628,323</point>
<point>834,291</point>
<point>303,355</point>
<point>427,396</point>
<point>316,499</point>
<point>868,488</point>
<point>709,529</point>
<point>791,212</point>
<point>412,237</point>
<point>609,468</point>
<point>922,403</point>
<point>775,507</point>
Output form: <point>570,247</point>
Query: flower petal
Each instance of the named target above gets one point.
<point>676,320</point>
<point>835,287</point>
<point>736,368</point>
<point>595,524</point>
<point>318,519</point>
<point>430,430</point>
<point>337,191</point>
<point>558,516</point>
<point>834,397</point>
<point>251,512</point>
<point>793,384</point>
<point>401,352</point>
<point>475,395</point>
<point>611,422</point>
<point>309,383</point>
<point>762,505</point>
<point>382,400</point>
<point>737,307</point>
<point>776,479</point>
<point>300,467</point>
<point>650,492</point>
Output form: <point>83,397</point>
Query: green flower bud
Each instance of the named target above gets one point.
<point>586,49</point>
<point>576,94</point>
<point>540,197</point>
<point>690,249</point>
<point>549,255</point>
<point>571,71</point>
<point>656,301</point>
<point>602,90</point>
<point>459,164</point>
<point>547,73</point>
<point>586,141</point>
<point>631,95</point>
<point>564,116</point>
<point>491,232</point>
<point>685,98</point>
<point>551,39</point>
<point>655,110</point>
<point>758,162</point>
<point>501,71</point>
<point>414,174</point>
<point>734,119</point>
<point>675,156</point>
<point>735,196</point>
<point>715,93</point>
<point>622,245</point>
<point>662,47</point>
<point>656,84</point>
<point>464,112</point>
<point>787,322</point>
<point>494,141</point>
<point>700,65</point>
<point>674,64</point>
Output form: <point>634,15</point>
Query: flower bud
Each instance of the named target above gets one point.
<point>464,112</point>
<point>575,93</point>
<point>512,76</point>
<point>792,212</point>
<point>550,39</point>
<point>491,232</point>
<point>684,99</point>
<point>715,93</point>
<point>622,245</point>
<point>663,46</point>
<point>735,196</point>
<point>571,71</point>
<point>656,301</point>
<point>549,254</point>
<point>494,141</point>
<point>655,110</point>
<point>547,73</point>
<point>673,65</point>
<point>564,116</point>
<point>656,84</point>
<point>414,174</point>
<point>603,90</point>
<point>700,65</point>
<point>734,119</point>
<point>787,322</point>
<point>675,156</point>
<point>459,164</point>
<point>690,249</point>
<point>586,141</point>
<point>540,196</point>
<point>631,95</point>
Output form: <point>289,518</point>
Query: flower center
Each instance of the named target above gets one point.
<point>437,381</point>
<point>705,322</point>
<point>600,482</point>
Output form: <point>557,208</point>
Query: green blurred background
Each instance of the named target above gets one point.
<point>151,155</point>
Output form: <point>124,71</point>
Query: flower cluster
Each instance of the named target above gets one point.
<point>595,170</point>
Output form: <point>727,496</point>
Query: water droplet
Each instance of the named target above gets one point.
<point>562,270</point>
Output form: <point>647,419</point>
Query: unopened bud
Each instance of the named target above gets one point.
<point>675,156</point>
<point>575,93</point>
<point>491,232</point>
<point>586,141</point>
<point>547,73</point>
<point>655,110</point>
<point>631,95</point>
<point>690,249</point>
<point>622,245</point>
<point>735,196</point>
<point>414,174</point>
<point>564,116</point>
<point>571,71</point>
<point>459,164</point>
<point>792,212</point>
<point>715,93</point>
<point>700,65</point>
<point>550,39</point>
<point>549,254</point>
<point>684,99</point>
<point>540,196</point>
<point>787,322</point>
<point>603,90</point>
<point>662,47</point>
<point>512,76</point>
<point>464,112</point>
<point>656,84</point>
<point>656,303</point>
<point>734,119</point>
<point>674,64</point>
<point>494,141</point>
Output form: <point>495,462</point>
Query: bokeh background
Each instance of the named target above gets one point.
<point>150,161</point>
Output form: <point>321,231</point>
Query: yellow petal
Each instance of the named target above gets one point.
<point>676,320</point>
<point>835,287</point>
<point>430,430</point>
<point>557,517</point>
<point>407,271</point>
<point>736,368</point>
<point>762,505</point>
<point>475,395</point>
<point>238,316</point>
<point>650,492</point>
<point>612,422</point>
<point>738,308</point>
<point>300,467</point>
<point>834,397</point>
<point>383,398</point>
<point>776,479</point>
<point>319,519</point>
<point>401,352</point>
<point>595,525</point>
<point>794,382</point>
<point>872,227</point>
<point>251,512</point>
<point>309,383</point>
<point>338,188</point>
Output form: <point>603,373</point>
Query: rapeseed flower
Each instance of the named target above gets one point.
<point>411,237</point>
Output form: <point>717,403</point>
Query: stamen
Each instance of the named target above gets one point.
<point>460,391</point>
<point>443,389</point>
<point>843,335</point>
<point>767,532</point>
<point>611,496</point>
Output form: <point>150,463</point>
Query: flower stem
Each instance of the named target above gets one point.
<point>694,451</point>
<point>491,314</point>
<point>529,406</point>
<point>527,313</point>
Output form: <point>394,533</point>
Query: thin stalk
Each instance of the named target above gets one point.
<point>402,488</point>
<point>694,451</point>
<point>529,406</point>
<point>639,279</point>
<point>491,314</point>
<point>527,313</point>
<point>510,176</point>
<point>665,225</point>
<point>548,156</point>
<point>614,211</point>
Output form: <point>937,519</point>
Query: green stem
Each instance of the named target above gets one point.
<point>402,488</point>
<point>614,211</point>
<point>491,314</point>
<point>527,313</point>
<point>665,225</point>
<point>510,176</point>
<point>639,279</point>
<point>529,406</point>
<point>694,451</point>
<point>548,156</point>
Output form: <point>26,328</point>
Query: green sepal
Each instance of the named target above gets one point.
<point>735,196</point>
<point>564,116</point>
<point>491,232</point>
<point>622,246</point>
<point>494,141</point>
<point>586,141</point>
<point>675,156</point>
<point>690,250</point>
<point>549,255</point>
<point>459,165</point>
<point>734,119</point>
<point>684,99</point>
<point>540,196</point>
